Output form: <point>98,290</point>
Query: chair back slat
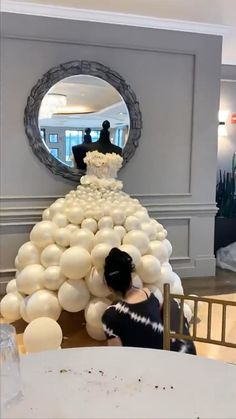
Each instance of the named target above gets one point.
<point>223,329</point>
<point>209,317</point>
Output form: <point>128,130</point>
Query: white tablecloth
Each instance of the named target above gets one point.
<point>124,383</point>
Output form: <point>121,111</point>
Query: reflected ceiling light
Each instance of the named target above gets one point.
<point>50,103</point>
<point>74,110</point>
<point>222,116</point>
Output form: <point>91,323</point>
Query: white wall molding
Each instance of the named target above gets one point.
<point>71,13</point>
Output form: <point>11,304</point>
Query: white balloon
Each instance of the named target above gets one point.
<point>168,245</point>
<point>43,334</point>
<point>158,250</point>
<point>136,281</point>
<point>11,286</point>
<point>90,224</point>
<point>75,214</point>
<point>105,222</point>
<point>73,295</point>
<point>62,237</point>
<point>71,228</point>
<point>157,226</point>
<point>167,266</point>
<point>23,309</point>
<point>51,255</point>
<point>132,223</point>
<point>132,251</point>
<point>18,265</point>
<point>96,284</point>
<point>176,286</point>
<point>166,276</point>
<point>94,311</point>
<point>147,227</point>
<point>162,235</point>
<point>28,280</point>
<point>137,238</point>
<point>75,262</point>
<point>10,306</point>
<point>42,233</point>
<point>154,288</point>
<point>83,238</point>
<point>52,278</point>
<point>109,236</point>
<point>96,333</point>
<point>121,231</point>
<point>99,254</point>
<point>28,254</point>
<point>55,208</point>
<point>46,215</point>
<point>148,269</point>
<point>43,303</point>
<point>142,215</point>
<point>118,216</point>
<point>60,220</point>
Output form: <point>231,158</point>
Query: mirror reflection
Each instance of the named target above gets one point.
<point>75,105</point>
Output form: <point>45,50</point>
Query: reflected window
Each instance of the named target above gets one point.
<point>119,137</point>
<point>72,137</point>
<point>42,133</point>
<point>54,152</point>
<point>95,134</point>
<point>53,138</point>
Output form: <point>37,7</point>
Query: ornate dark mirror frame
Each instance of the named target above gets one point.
<point>53,76</point>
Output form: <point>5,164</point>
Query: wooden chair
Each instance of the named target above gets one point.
<point>169,334</point>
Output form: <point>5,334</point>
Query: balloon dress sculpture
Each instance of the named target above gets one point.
<point>61,266</point>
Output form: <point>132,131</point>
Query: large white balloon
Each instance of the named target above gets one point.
<point>52,278</point>
<point>94,332</point>
<point>159,250</point>
<point>29,279</point>
<point>28,254</point>
<point>51,255</point>
<point>75,262</point>
<point>42,334</point>
<point>11,286</point>
<point>132,251</point>
<point>18,265</point>
<point>56,207</point>
<point>118,216</point>
<point>75,214</point>
<point>137,238</point>
<point>73,295</point>
<point>10,306</point>
<point>60,219</point>
<point>121,231</point>
<point>142,215</point>
<point>90,224</point>
<point>149,269</point>
<point>168,245</point>
<point>96,284</point>
<point>109,236</point>
<point>83,238</point>
<point>43,303</point>
<point>42,233</point>
<point>99,254</point>
<point>147,227</point>
<point>62,236</point>
<point>94,311</point>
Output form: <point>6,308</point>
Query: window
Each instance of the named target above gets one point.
<point>72,137</point>
<point>42,133</point>
<point>119,137</point>
<point>95,135</point>
<point>54,152</point>
<point>53,138</point>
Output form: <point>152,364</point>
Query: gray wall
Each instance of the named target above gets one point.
<point>227,145</point>
<point>176,77</point>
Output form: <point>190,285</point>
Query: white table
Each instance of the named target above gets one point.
<point>124,383</point>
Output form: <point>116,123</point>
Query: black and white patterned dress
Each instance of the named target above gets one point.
<point>141,324</point>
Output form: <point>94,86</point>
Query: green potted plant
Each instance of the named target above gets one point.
<point>225,224</point>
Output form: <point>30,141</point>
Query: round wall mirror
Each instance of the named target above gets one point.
<point>73,99</point>
<point>77,104</point>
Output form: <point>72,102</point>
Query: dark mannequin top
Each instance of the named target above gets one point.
<point>87,136</point>
<point>103,145</point>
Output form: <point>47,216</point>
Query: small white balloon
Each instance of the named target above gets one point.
<point>29,279</point>
<point>96,284</point>
<point>142,215</point>
<point>55,208</point>
<point>96,333</point>
<point>167,266</point>
<point>10,306</point>
<point>42,233</point>
<point>51,255</point>
<point>105,222</point>
<point>99,254</point>
<point>168,245</point>
<point>52,278</point>
<point>137,238</point>
<point>162,235</point>
<point>158,250</point>
<point>109,236</point>
<point>132,251</point>
<point>42,334</point>
<point>71,228</point>
<point>62,237</point>
<point>28,254</point>
<point>121,231</point>
<point>118,216</point>
<point>75,214</point>
<point>154,288</point>
<point>148,269</point>
<point>83,238</point>
<point>43,303</point>
<point>11,286</point>
<point>95,309</point>
<point>75,262</point>
<point>46,215</point>
<point>60,220</point>
<point>132,223</point>
<point>147,227</point>
<point>90,224</point>
<point>73,295</point>
<point>23,309</point>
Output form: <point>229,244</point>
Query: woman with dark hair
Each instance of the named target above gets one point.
<point>136,319</point>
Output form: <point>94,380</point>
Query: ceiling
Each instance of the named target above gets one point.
<point>210,16</point>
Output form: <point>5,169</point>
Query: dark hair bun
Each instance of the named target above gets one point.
<point>118,270</point>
